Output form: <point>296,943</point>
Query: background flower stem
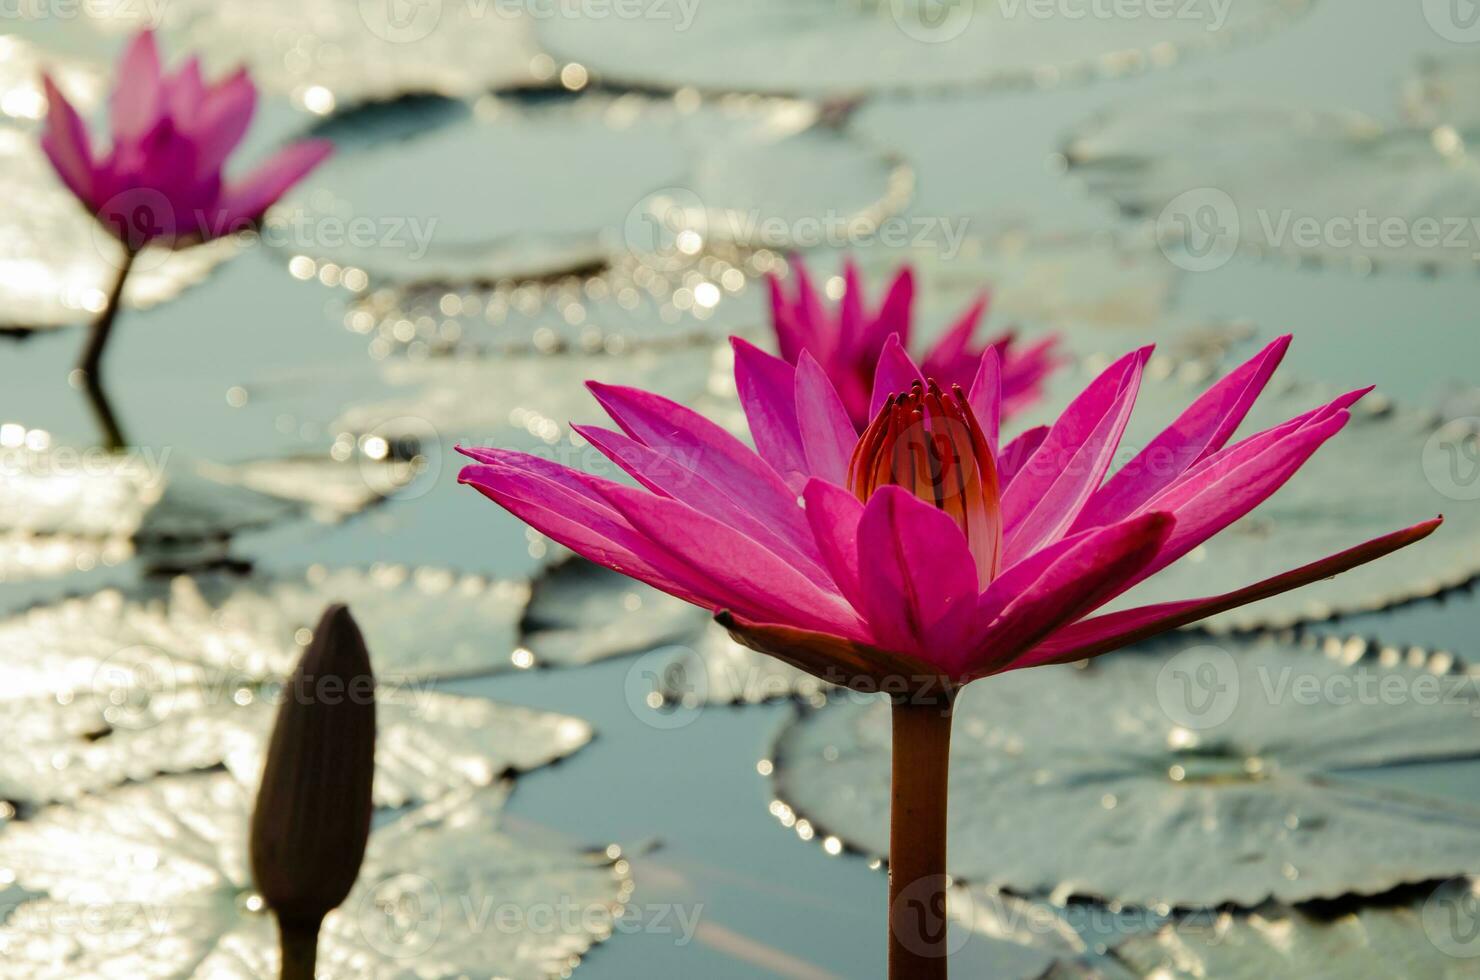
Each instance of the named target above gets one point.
<point>92,355</point>
<point>917,840</point>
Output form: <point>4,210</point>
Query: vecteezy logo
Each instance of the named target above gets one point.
<point>1454,20</point>
<point>134,688</point>
<point>667,688</point>
<point>135,217</point>
<point>667,229</point>
<point>1199,687</point>
<point>401,458</point>
<point>1199,229</point>
<point>1451,918</point>
<point>1451,459</point>
<point>922,915</point>
<point>401,916</point>
<point>401,21</point>
<point>932,21</point>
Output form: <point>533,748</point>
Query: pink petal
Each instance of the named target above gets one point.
<point>895,373</point>
<point>828,436</point>
<point>753,581</point>
<point>726,462</point>
<point>1083,577</point>
<point>1112,631</point>
<point>1204,428</point>
<point>66,145</point>
<point>985,398</point>
<point>1205,507</point>
<point>184,91</point>
<point>668,477</point>
<point>1042,503</point>
<point>247,201</point>
<point>790,335</point>
<point>138,95</point>
<point>850,310</point>
<point>833,514</point>
<point>920,588</point>
<point>767,388</point>
<point>225,114</point>
<point>1017,452</point>
<point>894,314</point>
<point>942,362</point>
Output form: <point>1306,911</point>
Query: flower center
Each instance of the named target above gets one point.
<point>930,443</point>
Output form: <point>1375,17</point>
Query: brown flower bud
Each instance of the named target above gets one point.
<point>313,810</point>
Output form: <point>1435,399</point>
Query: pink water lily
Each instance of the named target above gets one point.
<point>925,553</point>
<point>923,548</point>
<point>848,341</point>
<point>162,178</point>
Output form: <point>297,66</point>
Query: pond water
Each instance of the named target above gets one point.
<point>257,363</point>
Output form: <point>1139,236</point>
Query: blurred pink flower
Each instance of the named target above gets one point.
<point>161,180</point>
<point>848,342</point>
<point>924,550</point>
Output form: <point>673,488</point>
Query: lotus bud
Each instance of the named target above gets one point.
<point>312,817</point>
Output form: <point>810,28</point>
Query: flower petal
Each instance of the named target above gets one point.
<point>1112,631</point>
<point>921,587</point>
<point>828,435</point>
<point>1043,501</point>
<point>224,116</point>
<point>767,388</point>
<point>1017,452</point>
<point>138,96</point>
<point>1204,428</point>
<point>1083,577</point>
<point>707,449</point>
<point>668,477</point>
<point>895,373</point>
<point>246,202</point>
<point>985,397</point>
<point>66,145</point>
<point>944,360</point>
<point>834,514</point>
<point>894,314</point>
<point>750,579</point>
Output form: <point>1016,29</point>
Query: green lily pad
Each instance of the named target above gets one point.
<point>600,176</point>
<point>1179,775</point>
<point>64,263</point>
<point>625,305</point>
<point>529,401</point>
<point>167,862</point>
<point>1213,178</point>
<point>187,674</point>
<point>827,46</point>
<point>1430,936</point>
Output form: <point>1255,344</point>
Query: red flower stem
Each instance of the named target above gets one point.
<point>92,354</point>
<point>299,944</point>
<point>917,840</point>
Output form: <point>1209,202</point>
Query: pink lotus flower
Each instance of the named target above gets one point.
<point>161,180</point>
<point>923,549</point>
<point>923,554</point>
<point>848,342</point>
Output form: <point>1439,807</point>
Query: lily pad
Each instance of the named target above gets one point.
<point>599,176</point>
<point>60,264</point>
<point>187,674</point>
<point>1389,468</point>
<point>1215,177</point>
<point>325,54</point>
<point>166,861</point>
<point>621,307</point>
<point>1180,774</point>
<point>890,45</point>
<point>711,668</point>
<point>1416,938</point>
<point>530,400</point>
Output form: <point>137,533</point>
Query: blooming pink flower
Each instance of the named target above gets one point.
<point>161,180</point>
<point>924,548</point>
<point>848,343</point>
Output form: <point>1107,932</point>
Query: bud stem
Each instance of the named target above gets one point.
<point>299,944</point>
<point>917,840</point>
